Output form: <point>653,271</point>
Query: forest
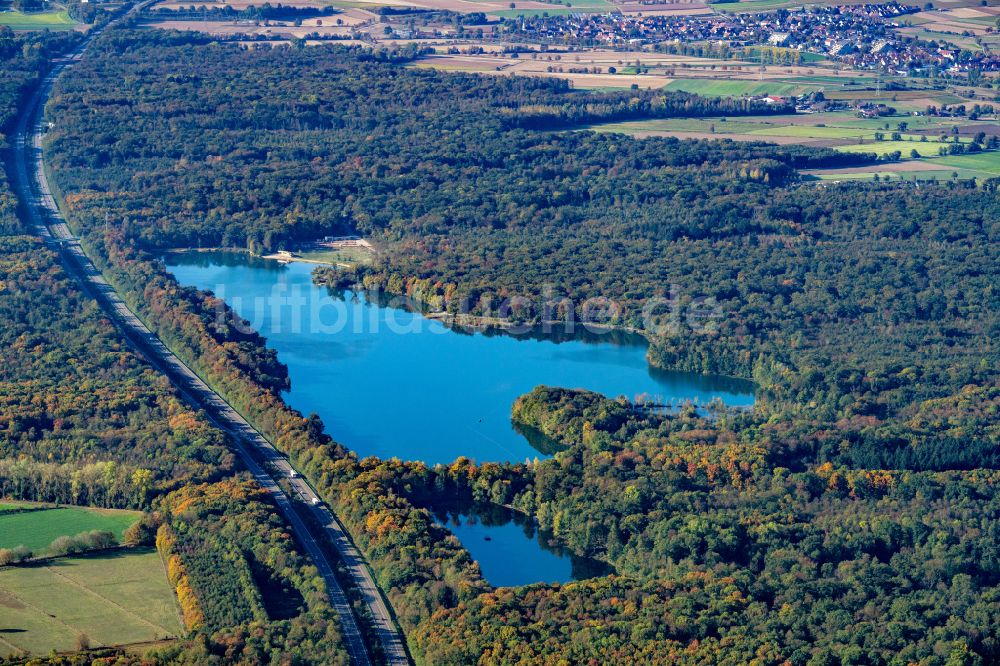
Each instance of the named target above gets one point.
<point>850,518</point>
<point>85,421</point>
<point>99,434</point>
<point>725,553</point>
<point>240,579</point>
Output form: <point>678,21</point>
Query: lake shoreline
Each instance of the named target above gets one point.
<point>280,258</point>
<point>353,360</point>
<point>469,322</point>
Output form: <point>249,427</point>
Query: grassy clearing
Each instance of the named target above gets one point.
<point>37,21</point>
<point>576,7</point>
<point>828,79</point>
<point>349,4</point>
<point>926,149</point>
<point>111,599</point>
<point>846,119</point>
<point>858,135</point>
<point>827,132</point>
<point>762,5</point>
<point>588,5</point>
<point>557,10</point>
<point>836,126</point>
<point>37,529</point>
<point>855,135</point>
<point>987,163</point>
<point>843,127</point>
<point>955,38</point>
<point>347,255</point>
<point>453,66</point>
<point>678,125</point>
<point>730,88</point>
<point>943,174</point>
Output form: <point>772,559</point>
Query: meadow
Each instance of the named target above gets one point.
<point>735,88</point>
<point>348,255</point>
<point>37,529</point>
<point>762,5</point>
<point>835,129</point>
<point>842,131</point>
<point>37,21</point>
<point>987,163</point>
<point>936,175</point>
<point>556,10</point>
<point>103,600</point>
<point>567,7</point>
<point>924,149</point>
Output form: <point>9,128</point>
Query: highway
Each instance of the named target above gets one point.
<point>32,186</point>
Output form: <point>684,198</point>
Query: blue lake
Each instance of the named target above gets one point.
<point>389,382</point>
<point>511,552</point>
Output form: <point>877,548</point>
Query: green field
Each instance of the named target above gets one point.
<point>36,21</point>
<point>452,66</point>
<point>953,38</point>
<point>926,149</point>
<point>987,163</point>
<point>849,119</point>
<point>828,79</point>
<point>943,174</point>
<point>586,5</point>
<point>826,132</point>
<point>557,10</point>
<point>351,4</point>
<point>568,7</point>
<point>709,125</point>
<point>736,88</point>
<point>839,127</point>
<point>111,599</point>
<point>347,255</point>
<point>761,5</point>
<point>37,529</point>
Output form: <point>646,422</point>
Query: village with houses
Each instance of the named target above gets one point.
<point>862,36</point>
<point>914,83</point>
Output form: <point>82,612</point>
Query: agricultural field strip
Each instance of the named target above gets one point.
<point>37,529</point>
<point>10,646</point>
<point>46,20</point>
<point>837,133</point>
<point>58,614</point>
<point>106,600</point>
<point>41,612</point>
<point>766,129</point>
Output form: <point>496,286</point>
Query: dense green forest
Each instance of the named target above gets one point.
<point>304,142</point>
<point>725,554</point>
<point>237,574</point>
<point>849,518</point>
<point>82,419</point>
<point>85,421</point>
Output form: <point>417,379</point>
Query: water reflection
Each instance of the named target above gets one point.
<point>542,442</point>
<point>511,551</point>
<point>388,382</point>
